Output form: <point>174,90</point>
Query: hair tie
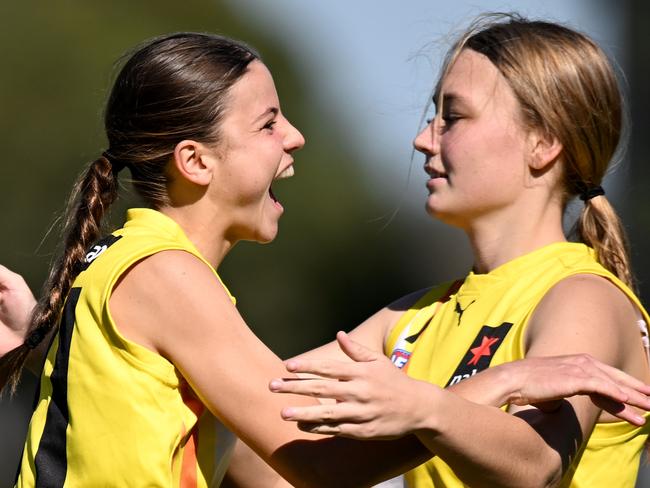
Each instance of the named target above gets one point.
<point>116,165</point>
<point>591,192</point>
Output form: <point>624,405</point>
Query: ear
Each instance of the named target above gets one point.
<point>545,148</point>
<point>193,161</point>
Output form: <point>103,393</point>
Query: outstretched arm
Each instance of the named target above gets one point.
<point>482,444</point>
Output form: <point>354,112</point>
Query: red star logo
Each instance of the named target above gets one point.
<point>483,349</point>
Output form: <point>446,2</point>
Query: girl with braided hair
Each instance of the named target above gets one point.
<point>149,365</point>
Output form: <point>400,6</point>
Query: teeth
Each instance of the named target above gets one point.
<point>287,173</point>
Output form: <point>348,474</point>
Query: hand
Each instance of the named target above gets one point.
<point>374,399</point>
<point>16,306</point>
<point>544,381</point>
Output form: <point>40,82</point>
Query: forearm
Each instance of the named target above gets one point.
<point>349,463</point>
<point>488,447</point>
<point>248,470</point>
<point>493,386</point>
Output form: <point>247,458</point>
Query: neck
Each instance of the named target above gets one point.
<point>204,229</point>
<point>497,239</point>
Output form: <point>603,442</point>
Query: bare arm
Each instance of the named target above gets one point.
<point>202,333</point>
<point>372,333</point>
<point>247,469</point>
<point>484,445</point>
<point>575,316</point>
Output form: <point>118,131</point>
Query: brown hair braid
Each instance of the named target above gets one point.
<point>171,88</point>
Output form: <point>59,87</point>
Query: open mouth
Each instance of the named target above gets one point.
<point>288,172</point>
<point>272,195</point>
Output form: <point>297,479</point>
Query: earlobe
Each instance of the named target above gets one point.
<point>546,148</point>
<point>192,161</point>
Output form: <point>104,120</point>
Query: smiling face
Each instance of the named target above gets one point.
<point>256,145</point>
<point>475,147</point>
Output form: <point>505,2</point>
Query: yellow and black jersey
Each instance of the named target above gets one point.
<point>111,412</point>
<point>460,328</point>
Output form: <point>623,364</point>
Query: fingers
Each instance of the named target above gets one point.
<point>335,420</point>
<point>621,377</point>
<point>324,414</point>
<point>325,429</point>
<point>314,387</point>
<point>322,367</point>
<point>354,350</point>
<point>615,385</point>
<point>620,410</point>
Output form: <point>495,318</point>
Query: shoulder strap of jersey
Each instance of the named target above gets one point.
<point>434,297</point>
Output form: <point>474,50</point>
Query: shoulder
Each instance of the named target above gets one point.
<point>158,296</point>
<point>171,270</point>
<point>585,294</point>
<point>583,313</point>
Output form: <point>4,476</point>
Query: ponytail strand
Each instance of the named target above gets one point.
<point>93,193</point>
<point>601,229</point>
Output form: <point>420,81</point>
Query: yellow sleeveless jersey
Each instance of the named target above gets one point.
<point>460,328</point>
<point>111,412</point>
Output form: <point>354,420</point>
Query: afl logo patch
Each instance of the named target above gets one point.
<point>400,357</point>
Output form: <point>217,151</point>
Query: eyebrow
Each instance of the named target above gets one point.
<point>448,98</point>
<point>270,110</point>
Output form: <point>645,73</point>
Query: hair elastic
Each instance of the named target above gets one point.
<point>115,164</point>
<point>591,192</point>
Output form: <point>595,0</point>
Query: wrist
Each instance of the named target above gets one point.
<point>429,404</point>
<point>508,379</point>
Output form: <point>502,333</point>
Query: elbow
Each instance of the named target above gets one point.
<point>547,474</point>
<point>536,472</point>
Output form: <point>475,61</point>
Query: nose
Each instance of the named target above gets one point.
<point>428,140</point>
<point>293,139</point>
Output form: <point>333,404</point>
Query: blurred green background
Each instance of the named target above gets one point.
<point>339,256</point>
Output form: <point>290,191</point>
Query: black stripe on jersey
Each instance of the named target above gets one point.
<point>97,249</point>
<point>412,338</point>
<point>479,355</point>
<point>51,459</point>
<point>453,288</point>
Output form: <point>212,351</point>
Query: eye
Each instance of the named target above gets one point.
<point>269,125</point>
<point>450,119</point>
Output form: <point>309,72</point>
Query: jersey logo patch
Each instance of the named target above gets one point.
<point>400,357</point>
<point>479,355</point>
<point>460,311</point>
<point>98,249</point>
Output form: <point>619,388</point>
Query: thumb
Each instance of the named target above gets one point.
<point>354,350</point>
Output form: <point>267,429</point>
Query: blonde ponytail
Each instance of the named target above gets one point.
<point>601,229</point>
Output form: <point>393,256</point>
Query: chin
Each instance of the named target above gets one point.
<point>266,236</point>
<point>446,217</point>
